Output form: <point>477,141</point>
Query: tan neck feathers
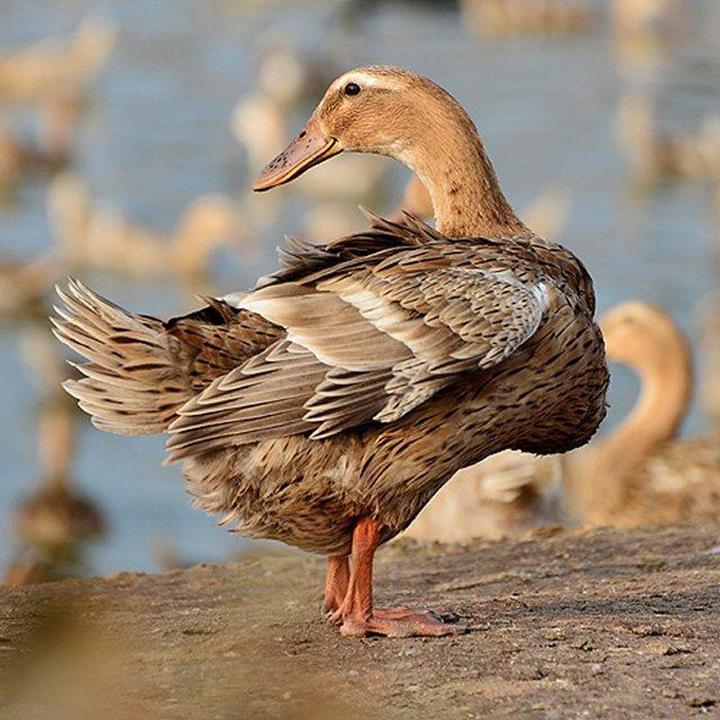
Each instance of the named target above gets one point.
<point>450,159</point>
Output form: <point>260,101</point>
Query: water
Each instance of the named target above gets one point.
<point>156,135</point>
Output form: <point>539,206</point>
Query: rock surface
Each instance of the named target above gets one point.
<point>602,624</point>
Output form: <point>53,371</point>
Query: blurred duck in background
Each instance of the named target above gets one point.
<point>528,17</point>
<point>415,200</point>
<point>641,474</point>
<point>54,522</point>
<point>28,567</point>
<point>637,475</point>
<point>655,156</point>
<point>260,124</point>
<point>644,29</point>
<point>547,214</point>
<point>45,364</point>
<point>287,80</point>
<point>641,19</point>
<point>328,221</point>
<point>34,74</point>
<point>90,237</point>
<point>56,515</point>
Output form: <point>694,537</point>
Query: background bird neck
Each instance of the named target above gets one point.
<point>602,477</point>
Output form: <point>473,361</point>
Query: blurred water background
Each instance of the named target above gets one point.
<point>155,134</point>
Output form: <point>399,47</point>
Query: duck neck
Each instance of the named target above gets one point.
<point>663,402</point>
<point>466,196</point>
<point>666,386</point>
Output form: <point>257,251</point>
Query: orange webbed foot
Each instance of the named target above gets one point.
<point>401,623</point>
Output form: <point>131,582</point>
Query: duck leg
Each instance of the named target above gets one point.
<point>336,583</point>
<point>357,615</point>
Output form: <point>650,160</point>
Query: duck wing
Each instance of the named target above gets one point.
<point>367,338</point>
<point>140,370</point>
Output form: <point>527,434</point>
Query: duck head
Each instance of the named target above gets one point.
<point>391,111</point>
<point>644,338</point>
<point>639,334</point>
<point>370,109</point>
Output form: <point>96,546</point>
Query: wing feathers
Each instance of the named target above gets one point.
<point>364,329</point>
<point>371,342</point>
<point>141,370</point>
<point>128,355</point>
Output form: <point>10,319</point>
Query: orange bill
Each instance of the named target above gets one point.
<point>308,149</point>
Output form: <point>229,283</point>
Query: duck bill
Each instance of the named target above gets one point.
<point>309,148</point>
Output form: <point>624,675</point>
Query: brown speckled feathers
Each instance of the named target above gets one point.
<point>367,338</point>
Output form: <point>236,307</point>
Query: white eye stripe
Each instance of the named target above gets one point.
<point>363,80</point>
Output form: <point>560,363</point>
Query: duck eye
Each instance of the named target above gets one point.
<point>352,89</point>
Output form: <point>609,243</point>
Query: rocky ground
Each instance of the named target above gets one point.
<point>602,624</point>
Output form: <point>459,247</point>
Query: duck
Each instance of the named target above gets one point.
<point>56,517</point>
<point>90,237</point>
<point>527,17</point>
<point>325,407</point>
<point>642,474</point>
<point>34,73</point>
<point>655,156</point>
